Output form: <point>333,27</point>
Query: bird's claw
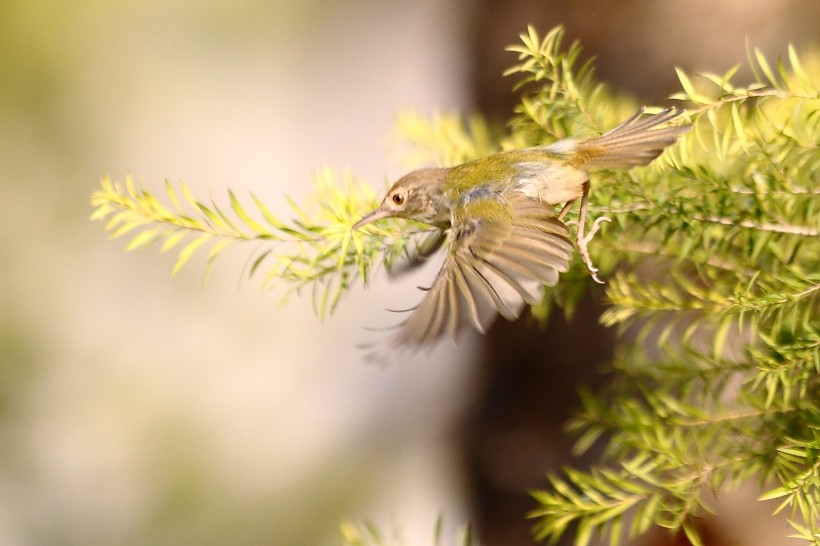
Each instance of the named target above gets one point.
<point>596,225</point>
<point>583,241</point>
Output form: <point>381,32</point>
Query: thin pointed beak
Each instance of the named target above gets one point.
<point>377,214</point>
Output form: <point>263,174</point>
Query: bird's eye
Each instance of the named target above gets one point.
<point>398,198</point>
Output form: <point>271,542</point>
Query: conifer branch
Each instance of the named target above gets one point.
<point>317,249</point>
<point>771,228</point>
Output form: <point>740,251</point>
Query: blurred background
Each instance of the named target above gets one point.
<point>136,410</point>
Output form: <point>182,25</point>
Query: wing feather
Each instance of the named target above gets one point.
<point>493,266</point>
<point>476,293</point>
<point>491,298</point>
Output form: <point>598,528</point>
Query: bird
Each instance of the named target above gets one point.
<point>504,238</point>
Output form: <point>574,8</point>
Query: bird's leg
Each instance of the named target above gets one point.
<point>565,209</point>
<point>580,239</point>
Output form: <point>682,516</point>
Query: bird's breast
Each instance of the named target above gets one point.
<point>550,182</point>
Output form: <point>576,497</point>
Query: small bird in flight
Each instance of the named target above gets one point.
<point>505,238</point>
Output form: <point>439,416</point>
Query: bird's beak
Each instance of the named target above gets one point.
<point>377,214</point>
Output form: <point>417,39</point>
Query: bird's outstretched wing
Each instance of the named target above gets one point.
<point>501,251</point>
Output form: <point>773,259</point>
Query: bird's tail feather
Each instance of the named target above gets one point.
<point>634,142</point>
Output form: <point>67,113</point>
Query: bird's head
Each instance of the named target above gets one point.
<point>415,196</point>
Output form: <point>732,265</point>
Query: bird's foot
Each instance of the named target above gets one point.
<point>583,241</point>
<point>596,225</point>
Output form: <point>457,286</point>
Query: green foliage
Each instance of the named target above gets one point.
<point>557,101</point>
<point>367,534</point>
<point>445,140</point>
<point>316,249</point>
<point>712,265</point>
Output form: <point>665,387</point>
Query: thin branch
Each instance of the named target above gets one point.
<point>766,227</point>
